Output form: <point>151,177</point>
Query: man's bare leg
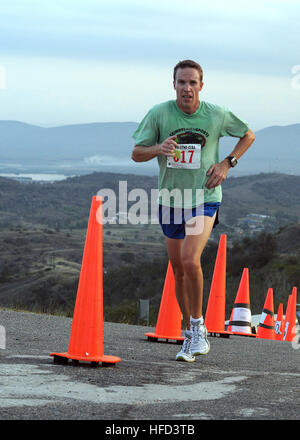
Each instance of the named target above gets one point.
<point>192,248</point>
<point>184,255</point>
<point>174,246</point>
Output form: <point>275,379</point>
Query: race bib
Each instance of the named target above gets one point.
<point>187,156</point>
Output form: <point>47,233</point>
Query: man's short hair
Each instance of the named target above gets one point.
<point>188,63</point>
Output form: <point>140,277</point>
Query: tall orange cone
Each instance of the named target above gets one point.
<point>168,324</point>
<point>279,323</point>
<point>266,327</point>
<point>290,318</point>
<point>287,312</point>
<point>215,311</point>
<point>240,319</point>
<point>86,339</point>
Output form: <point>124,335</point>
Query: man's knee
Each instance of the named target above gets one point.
<point>178,273</point>
<point>190,264</point>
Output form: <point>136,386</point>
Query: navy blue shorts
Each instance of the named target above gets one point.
<point>173,220</point>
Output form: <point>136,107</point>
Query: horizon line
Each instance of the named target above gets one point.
<point>110,122</point>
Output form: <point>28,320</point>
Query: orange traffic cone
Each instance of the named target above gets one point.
<point>168,324</point>
<point>279,323</point>
<point>240,319</point>
<point>290,318</point>
<point>86,340</point>
<point>266,329</point>
<point>287,312</point>
<point>215,311</point>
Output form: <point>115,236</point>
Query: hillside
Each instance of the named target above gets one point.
<point>84,148</point>
<point>43,230</point>
<point>39,271</point>
<point>66,204</point>
<point>270,194</point>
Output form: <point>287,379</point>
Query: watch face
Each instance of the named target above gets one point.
<point>233,162</point>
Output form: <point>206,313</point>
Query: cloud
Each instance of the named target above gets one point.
<point>106,160</point>
<point>227,34</point>
<point>111,60</point>
<point>57,91</point>
<point>256,98</point>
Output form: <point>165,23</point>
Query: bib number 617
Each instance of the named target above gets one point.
<point>185,156</point>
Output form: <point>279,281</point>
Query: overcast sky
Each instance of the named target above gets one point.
<point>80,61</point>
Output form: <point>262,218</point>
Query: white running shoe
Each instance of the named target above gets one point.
<point>185,353</point>
<point>199,342</point>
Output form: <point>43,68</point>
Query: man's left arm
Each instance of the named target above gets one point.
<point>218,172</point>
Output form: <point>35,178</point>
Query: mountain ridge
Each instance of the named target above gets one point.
<point>43,227</point>
<point>107,146</point>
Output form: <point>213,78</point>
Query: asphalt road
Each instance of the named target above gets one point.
<point>240,379</point>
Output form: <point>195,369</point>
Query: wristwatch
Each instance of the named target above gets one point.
<point>232,161</point>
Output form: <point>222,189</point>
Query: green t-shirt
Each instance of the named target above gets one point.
<point>198,137</point>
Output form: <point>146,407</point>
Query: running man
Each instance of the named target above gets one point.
<point>183,135</point>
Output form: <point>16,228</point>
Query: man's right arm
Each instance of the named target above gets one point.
<point>141,153</point>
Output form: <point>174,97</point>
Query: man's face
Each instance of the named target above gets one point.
<point>187,85</point>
